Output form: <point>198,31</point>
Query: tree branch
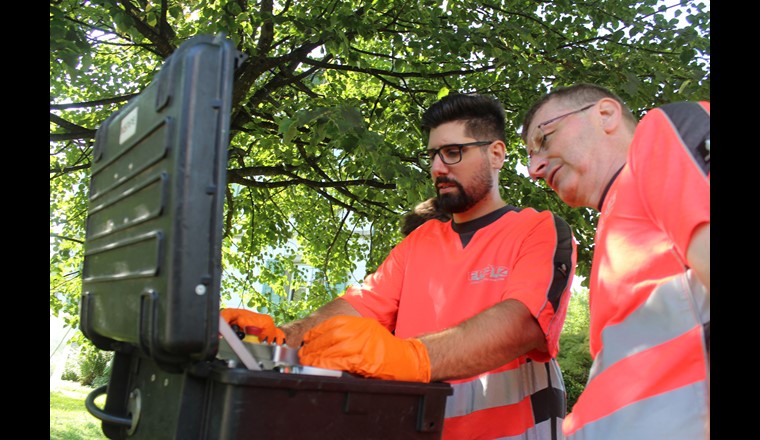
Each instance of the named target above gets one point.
<point>65,170</point>
<point>381,72</point>
<point>63,237</point>
<point>80,136</point>
<point>163,46</point>
<point>66,124</point>
<point>328,252</point>
<point>238,175</point>
<point>96,103</point>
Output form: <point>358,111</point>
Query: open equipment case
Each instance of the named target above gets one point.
<point>152,280</point>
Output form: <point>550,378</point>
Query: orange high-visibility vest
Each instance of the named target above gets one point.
<point>433,280</point>
<point>650,316</point>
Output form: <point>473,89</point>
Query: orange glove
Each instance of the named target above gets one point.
<point>363,346</point>
<point>244,318</point>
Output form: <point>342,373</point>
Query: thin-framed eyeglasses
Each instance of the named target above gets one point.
<point>538,140</point>
<point>450,154</point>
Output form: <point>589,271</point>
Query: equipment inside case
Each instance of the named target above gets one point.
<point>151,283</point>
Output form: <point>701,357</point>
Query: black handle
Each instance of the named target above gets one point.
<point>89,403</point>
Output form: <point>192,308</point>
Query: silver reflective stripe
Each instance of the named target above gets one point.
<point>627,423</point>
<point>672,309</point>
<point>501,389</point>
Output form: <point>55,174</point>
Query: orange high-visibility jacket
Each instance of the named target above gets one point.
<point>649,329</point>
<point>432,281</point>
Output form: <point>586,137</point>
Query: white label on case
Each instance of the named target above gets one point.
<point>128,126</point>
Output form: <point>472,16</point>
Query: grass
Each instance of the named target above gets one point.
<point>69,419</point>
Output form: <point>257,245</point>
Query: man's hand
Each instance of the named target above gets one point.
<point>243,318</point>
<point>363,346</point>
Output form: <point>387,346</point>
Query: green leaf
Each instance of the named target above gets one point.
<point>327,109</point>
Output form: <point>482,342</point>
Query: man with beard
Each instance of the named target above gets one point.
<point>478,301</point>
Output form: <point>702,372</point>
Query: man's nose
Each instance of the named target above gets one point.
<point>537,167</point>
<point>437,167</point>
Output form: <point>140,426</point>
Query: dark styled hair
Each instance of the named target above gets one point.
<point>578,94</point>
<point>484,115</point>
<point>421,213</point>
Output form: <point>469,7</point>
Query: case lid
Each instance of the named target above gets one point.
<point>152,263</point>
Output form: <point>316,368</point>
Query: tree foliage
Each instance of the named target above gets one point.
<point>326,108</point>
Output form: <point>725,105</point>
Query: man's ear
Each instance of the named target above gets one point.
<point>611,114</point>
<point>497,154</point>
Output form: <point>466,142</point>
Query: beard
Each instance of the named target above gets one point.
<point>462,199</point>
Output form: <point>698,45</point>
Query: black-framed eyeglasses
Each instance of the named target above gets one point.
<point>538,139</point>
<point>449,154</point>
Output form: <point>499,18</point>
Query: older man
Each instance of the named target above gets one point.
<point>650,276</point>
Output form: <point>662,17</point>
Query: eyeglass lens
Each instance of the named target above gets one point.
<point>450,154</point>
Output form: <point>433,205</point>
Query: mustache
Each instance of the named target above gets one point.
<point>444,179</point>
